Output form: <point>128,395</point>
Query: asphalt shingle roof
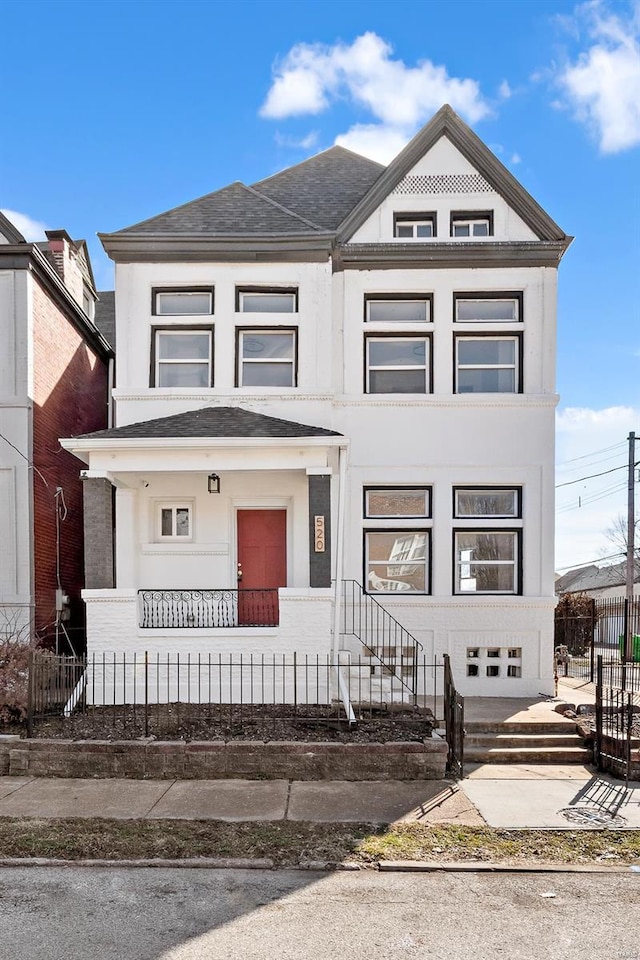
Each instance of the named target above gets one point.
<point>592,577</point>
<point>105,316</point>
<point>312,197</point>
<point>212,422</point>
<point>235,210</point>
<point>324,188</point>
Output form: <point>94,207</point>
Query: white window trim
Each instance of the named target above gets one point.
<point>515,366</point>
<point>419,324</point>
<point>392,528</point>
<point>174,506</point>
<point>426,366</point>
<point>266,295</point>
<point>470,222</point>
<point>414,224</point>
<point>267,360</point>
<point>517,319</point>
<point>157,294</point>
<point>515,563</point>
<point>181,331</point>
<point>515,490</point>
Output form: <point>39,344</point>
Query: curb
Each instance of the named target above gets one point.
<point>427,866</point>
<point>209,863</point>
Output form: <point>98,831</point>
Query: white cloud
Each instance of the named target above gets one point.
<point>504,90</point>
<point>602,86</point>
<point>585,510</point>
<point>400,97</point>
<point>516,158</point>
<point>298,143</point>
<point>30,229</point>
<point>374,140</point>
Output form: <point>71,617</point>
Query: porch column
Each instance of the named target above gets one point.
<point>98,533</point>
<point>319,480</point>
<point>126,539</point>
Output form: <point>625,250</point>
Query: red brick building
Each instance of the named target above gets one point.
<point>54,382</point>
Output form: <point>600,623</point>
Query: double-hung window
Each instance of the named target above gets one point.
<point>397,364</point>
<point>182,354</point>
<point>414,226</point>
<point>488,549</point>
<point>397,539</point>
<point>473,223</point>
<point>267,357</point>
<point>487,364</point>
<point>488,342</point>
<point>182,357</point>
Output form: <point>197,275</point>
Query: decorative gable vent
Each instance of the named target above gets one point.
<point>444,183</point>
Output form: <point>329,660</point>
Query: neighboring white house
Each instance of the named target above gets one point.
<point>344,372</point>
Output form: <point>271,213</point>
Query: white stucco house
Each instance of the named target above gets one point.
<point>335,396</point>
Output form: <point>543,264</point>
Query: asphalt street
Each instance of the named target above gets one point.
<point>113,913</point>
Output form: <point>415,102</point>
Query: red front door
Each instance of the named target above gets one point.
<point>262,565</point>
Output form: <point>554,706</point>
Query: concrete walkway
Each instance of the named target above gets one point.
<point>513,796</point>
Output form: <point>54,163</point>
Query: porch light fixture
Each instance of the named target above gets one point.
<point>213,483</point>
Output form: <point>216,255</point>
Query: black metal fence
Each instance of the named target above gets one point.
<point>599,629</point>
<point>454,722</point>
<point>183,609</point>
<point>617,733</point>
<point>211,697</point>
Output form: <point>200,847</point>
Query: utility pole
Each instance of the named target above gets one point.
<point>630,571</point>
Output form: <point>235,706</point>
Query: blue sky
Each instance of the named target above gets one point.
<point>121,110</point>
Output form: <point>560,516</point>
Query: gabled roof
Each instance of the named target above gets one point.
<point>446,122</point>
<point>228,422</point>
<point>9,232</point>
<point>324,188</point>
<point>236,210</point>
<point>592,577</point>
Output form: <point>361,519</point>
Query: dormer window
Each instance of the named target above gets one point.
<point>414,226</point>
<point>472,224</point>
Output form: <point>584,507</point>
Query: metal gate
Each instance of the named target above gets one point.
<point>454,722</point>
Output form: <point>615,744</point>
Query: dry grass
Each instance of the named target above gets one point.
<point>289,844</point>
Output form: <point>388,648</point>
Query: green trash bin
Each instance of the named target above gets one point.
<point>635,647</point>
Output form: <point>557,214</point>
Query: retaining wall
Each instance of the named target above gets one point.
<point>204,760</point>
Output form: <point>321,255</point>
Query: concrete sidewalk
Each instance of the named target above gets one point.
<point>509,797</point>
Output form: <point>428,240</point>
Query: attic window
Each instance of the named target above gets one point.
<point>473,223</point>
<point>414,226</point>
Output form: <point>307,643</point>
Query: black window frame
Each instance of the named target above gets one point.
<point>400,335</point>
<point>181,328</point>
<point>488,529</point>
<point>259,328</point>
<point>517,295</point>
<point>398,298</point>
<point>491,335</point>
<point>262,288</point>
<point>385,518</point>
<point>392,529</point>
<point>500,487</point>
<point>197,288</point>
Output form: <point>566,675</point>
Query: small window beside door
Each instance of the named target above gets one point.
<point>174,521</point>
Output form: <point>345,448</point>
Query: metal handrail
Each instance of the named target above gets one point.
<point>210,608</point>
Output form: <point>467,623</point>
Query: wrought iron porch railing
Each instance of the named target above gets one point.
<point>454,722</point>
<point>385,639</point>
<point>184,609</point>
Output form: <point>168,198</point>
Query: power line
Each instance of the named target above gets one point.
<point>593,453</point>
<point>30,464</point>
<point>571,566</point>
<point>592,475</point>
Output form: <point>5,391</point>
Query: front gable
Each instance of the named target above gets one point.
<point>443,173</point>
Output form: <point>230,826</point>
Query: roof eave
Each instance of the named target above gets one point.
<point>454,254</point>
<point>168,247</point>
<point>77,445</point>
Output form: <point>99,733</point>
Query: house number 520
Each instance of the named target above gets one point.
<point>319,534</point>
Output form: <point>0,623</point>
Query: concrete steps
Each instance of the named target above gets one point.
<point>524,743</point>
